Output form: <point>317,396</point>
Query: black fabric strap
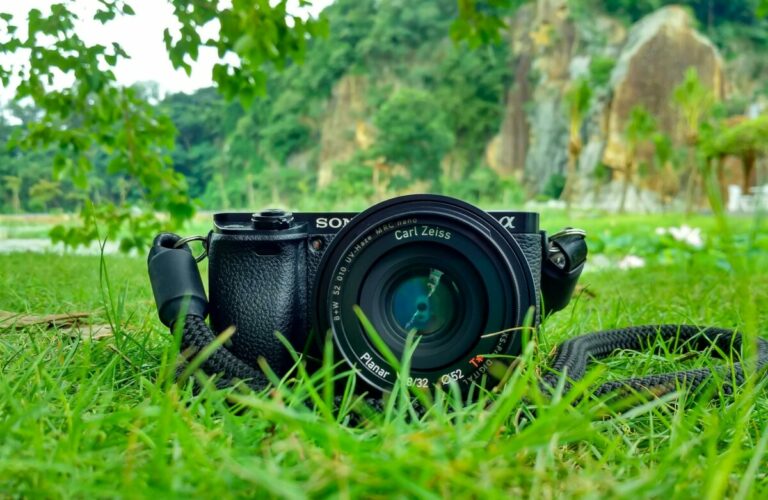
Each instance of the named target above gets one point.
<point>571,359</point>
<point>227,368</point>
<point>574,354</point>
<point>197,335</point>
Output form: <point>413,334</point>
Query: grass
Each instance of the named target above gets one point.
<point>82,418</point>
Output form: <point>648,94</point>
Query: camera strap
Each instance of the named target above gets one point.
<point>179,293</point>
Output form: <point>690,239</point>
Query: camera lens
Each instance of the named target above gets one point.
<point>428,266</point>
<point>425,301</point>
<point>430,289</point>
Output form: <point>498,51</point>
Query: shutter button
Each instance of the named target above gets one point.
<point>272,218</point>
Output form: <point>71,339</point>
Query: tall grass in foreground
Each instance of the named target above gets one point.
<point>102,419</point>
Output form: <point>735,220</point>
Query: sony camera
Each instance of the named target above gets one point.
<point>460,282</point>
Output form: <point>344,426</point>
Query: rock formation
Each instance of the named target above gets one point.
<point>507,151</point>
<point>659,50</point>
<point>543,39</point>
<point>551,49</point>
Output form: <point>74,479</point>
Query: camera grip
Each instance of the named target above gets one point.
<point>530,244</point>
<point>259,287</point>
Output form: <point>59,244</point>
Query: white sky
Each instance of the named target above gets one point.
<point>141,36</point>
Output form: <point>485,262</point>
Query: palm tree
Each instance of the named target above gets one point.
<point>640,130</point>
<point>13,184</point>
<point>578,98</point>
<point>747,140</point>
<point>696,102</point>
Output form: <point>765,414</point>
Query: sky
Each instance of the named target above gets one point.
<point>140,35</point>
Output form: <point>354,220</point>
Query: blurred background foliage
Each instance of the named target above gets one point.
<point>372,99</point>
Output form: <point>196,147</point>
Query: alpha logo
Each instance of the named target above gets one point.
<point>507,221</point>
<point>331,222</point>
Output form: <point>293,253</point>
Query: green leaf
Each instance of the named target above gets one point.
<point>762,8</point>
<point>104,16</point>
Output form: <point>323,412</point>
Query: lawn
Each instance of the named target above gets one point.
<point>103,418</point>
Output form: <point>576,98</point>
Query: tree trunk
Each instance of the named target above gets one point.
<point>712,181</point>
<point>324,175</point>
<point>748,161</point>
<point>574,151</point>
<point>222,192</point>
<point>596,190</point>
<point>627,182</point>
<point>378,189</point>
<point>249,191</point>
<point>690,188</point>
<point>223,174</point>
<point>275,183</point>
<point>570,180</point>
<point>721,179</point>
<point>16,199</point>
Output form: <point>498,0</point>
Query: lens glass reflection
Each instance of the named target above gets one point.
<point>425,300</point>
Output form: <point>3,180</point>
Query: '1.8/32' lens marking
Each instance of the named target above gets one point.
<point>445,379</point>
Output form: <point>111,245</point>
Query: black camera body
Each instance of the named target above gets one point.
<point>421,290</point>
<point>460,282</point>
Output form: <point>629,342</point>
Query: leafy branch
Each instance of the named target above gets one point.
<point>252,35</point>
<point>93,116</point>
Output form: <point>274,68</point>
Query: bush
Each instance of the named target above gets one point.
<point>485,186</point>
<point>554,186</point>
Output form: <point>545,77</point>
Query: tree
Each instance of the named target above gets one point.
<point>413,133</point>
<point>708,12</point>
<point>695,102</point>
<point>482,21</point>
<point>578,99</point>
<point>745,140</point>
<point>97,117</point>
<point>665,174</point>
<point>43,192</point>
<point>93,115</point>
<point>401,26</point>
<point>231,154</point>
<point>13,185</point>
<point>202,120</point>
<point>639,131</point>
<point>470,87</point>
<point>259,34</point>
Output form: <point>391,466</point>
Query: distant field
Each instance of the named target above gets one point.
<point>38,226</point>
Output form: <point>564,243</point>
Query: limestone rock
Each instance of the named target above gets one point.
<point>531,143</point>
<point>659,50</point>
<point>507,151</point>
<point>551,66</point>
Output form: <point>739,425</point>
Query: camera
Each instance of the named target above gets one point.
<point>462,283</point>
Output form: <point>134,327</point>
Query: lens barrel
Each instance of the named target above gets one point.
<point>431,266</point>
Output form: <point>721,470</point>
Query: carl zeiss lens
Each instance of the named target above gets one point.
<point>432,267</point>
<point>423,300</point>
<point>440,300</point>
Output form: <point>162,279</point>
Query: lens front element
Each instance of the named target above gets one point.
<point>427,287</point>
<point>426,301</point>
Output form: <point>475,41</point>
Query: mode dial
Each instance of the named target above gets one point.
<point>272,218</point>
